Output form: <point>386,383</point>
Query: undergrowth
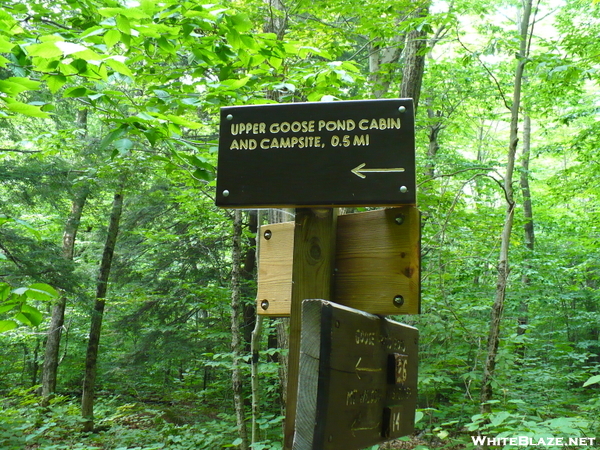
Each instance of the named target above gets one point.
<point>26,425</point>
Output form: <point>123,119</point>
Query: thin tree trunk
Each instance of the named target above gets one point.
<point>35,365</point>
<point>277,18</point>
<point>236,335</point>
<point>503,261</point>
<point>381,64</point>
<point>414,56</point>
<point>249,276</point>
<point>528,230</point>
<point>255,349</point>
<point>91,359</point>
<point>50,367</point>
<point>255,345</point>
<point>434,145</point>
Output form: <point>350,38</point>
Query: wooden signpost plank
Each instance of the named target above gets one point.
<point>312,276</point>
<point>377,263</point>
<point>358,378</point>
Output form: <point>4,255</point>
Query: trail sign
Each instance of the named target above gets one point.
<point>350,153</point>
<point>357,384</point>
<point>377,263</point>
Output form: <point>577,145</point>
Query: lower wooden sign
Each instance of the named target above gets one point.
<point>357,381</point>
<point>377,263</point>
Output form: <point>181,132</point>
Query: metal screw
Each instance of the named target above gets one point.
<point>398,301</point>
<point>399,219</point>
<point>264,304</point>
<point>229,117</point>
<point>403,189</point>
<point>225,193</point>
<point>402,109</point>
<point>337,323</point>
<point>268,234</point>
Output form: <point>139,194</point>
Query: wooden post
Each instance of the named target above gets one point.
<point>312,277</point>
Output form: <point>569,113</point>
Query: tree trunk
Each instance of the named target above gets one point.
<point>528,229</point>
<point>434,146</point>
<point>248,272</point>
<point>503,262</point>
<point>50,367</point>
<point>236,335</point>
<point>91,359</point>
<point>414,56</point>
<point>277,18</point>
<point>381,64</point>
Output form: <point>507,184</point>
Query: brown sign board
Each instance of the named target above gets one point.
<point>377,263</point>
<point>326,154</point>
<point>357,381</point>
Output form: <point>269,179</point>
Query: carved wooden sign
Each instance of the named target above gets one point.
<point>357,153</point>
<point>357,381</point>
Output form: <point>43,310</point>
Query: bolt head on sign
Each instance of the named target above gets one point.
<point>347,153</point>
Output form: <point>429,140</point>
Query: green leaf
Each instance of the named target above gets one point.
<point>118,66</point>
<point>112,37</point>
<point>23,319</point>
<point>132,13</point>
<point>55,82</point>
<point>123,145</point>
<point>5,46</point>
<point>593,380</point>
<point>165,45</point>
<point>241,22</point>
<point>236,84</point>
<point>77,91</point>
<point>32,314</point>
<point>46,50</point>
<point>204,175</point>
<point>4,291</point>
<point>94,31</point>
<point>25,109</point>
<point>497,419</point>
<point>16,85</point>
<point>7,325</point>
<point>41,291</point>
<point>112,136</point>
<point>123,24</point>
<point>11,88</point>
<point>7,306</point>
<point>183,122</point>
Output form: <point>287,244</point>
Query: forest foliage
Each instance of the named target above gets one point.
<point>100,97</point>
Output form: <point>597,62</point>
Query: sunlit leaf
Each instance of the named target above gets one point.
<point>41,291</point>
<point>7,325</point>
<point>32,314</point>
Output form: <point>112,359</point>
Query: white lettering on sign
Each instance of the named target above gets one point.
<point>365,337</point>
<point>363,397</point>
<point>248,128</point>
<point>393,343</point>
<point>252,131</point>
<point>294,127</point>
<point>395,421</point>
